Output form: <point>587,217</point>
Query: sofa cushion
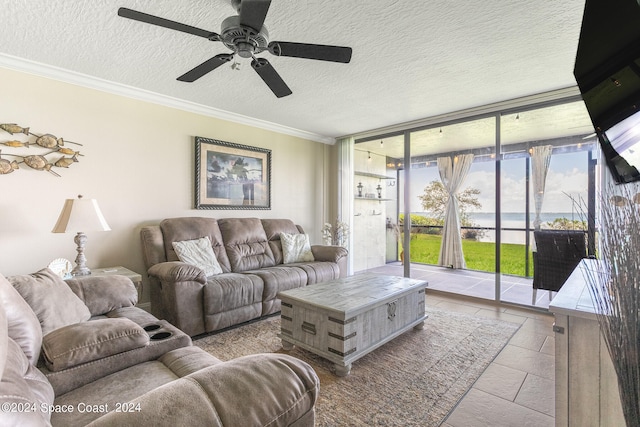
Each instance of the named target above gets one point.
<point>279,278</point>
<point>198,252</point>
<point>84,342</point>
<point>257,390</point>
<point>319,271</point>
<point>246,243</point>
<point>22,324</point>
<point>25,386</point>
<point>189,228</point>
<point>295,248</point>
<point>102,294</point>
<point>51,299</point>
<point>231,298</point>
<point>130,383</point>
<point>273,228</point>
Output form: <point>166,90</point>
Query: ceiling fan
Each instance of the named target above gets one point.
<point>245,35</point>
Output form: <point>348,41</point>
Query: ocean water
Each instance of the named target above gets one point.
<point>512,220</point>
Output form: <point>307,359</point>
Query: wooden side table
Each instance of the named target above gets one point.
<point>136,278</point>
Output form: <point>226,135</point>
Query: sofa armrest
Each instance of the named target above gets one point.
<point>336,254</point>
<point>328,253</point>
<point>257,390</point>
<point>85,342</point>
<point>102,294</point>
<point>176,271</point>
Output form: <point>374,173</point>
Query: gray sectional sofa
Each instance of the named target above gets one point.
<point>80,353</point>
<point>250,255</point>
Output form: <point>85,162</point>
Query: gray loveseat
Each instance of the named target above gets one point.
<point>250,255</point>
<point>96,359</point>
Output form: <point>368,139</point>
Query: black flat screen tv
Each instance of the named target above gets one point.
<point>607,70</point>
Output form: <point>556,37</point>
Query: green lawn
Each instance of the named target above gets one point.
<point>478,255</point>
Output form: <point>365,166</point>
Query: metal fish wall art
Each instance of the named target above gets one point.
<point>34,159</point>
<point>13,128</point>
<point>7,166</point>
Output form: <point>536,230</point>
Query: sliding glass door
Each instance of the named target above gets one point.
<point>509,172</point>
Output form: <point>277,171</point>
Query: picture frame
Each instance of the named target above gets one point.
<point>231,176</point>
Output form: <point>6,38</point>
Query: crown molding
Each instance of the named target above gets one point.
<point>67,76</point>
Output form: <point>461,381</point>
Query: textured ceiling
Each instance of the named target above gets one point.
<point>411,59</point>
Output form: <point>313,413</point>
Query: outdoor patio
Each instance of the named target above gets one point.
<point>513,289</point>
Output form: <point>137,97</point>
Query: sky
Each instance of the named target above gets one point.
<point>566,179</point>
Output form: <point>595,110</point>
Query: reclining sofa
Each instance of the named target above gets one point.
<point>253,269</point>
<point>80,353</point>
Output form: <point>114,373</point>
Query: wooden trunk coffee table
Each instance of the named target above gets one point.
<point>344,319</point>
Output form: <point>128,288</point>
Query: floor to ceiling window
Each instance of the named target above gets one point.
<point>490,163</point>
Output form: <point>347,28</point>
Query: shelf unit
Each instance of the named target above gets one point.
<point>372,199</point>
<point>372,175</point>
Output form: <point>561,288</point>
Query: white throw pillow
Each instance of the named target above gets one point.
<point>198,252</point>
<point>295,248</point>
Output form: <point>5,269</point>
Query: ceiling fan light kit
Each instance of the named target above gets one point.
<point>246,36</point>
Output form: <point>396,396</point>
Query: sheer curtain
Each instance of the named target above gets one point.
<point>453,173</point>
<point>540,158</point>
<point>345,191</point>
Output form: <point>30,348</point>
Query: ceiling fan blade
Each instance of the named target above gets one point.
<point>253,13</point>
<point>271,77</point>
<point>161,22</point>
<point>206,67</point>
<point>311,51</point>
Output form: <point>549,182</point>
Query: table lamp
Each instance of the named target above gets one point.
<point>80,214</point>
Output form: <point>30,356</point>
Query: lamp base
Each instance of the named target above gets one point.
<point>80,271</point>
<point>81,268</point>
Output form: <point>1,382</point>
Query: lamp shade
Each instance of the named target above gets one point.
<point>80,215</point>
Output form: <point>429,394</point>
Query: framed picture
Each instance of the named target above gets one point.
<point>232,176</point>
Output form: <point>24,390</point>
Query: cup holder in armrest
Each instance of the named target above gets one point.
<point>160,336</point>
<point>150,328</point>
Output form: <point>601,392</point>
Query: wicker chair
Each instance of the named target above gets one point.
<point>558,253</point>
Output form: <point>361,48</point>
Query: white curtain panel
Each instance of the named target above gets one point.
<point>540,158</point>
<point>345,192</point>
<point>453,173</point>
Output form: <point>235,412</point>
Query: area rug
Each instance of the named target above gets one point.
<point>414,380</point>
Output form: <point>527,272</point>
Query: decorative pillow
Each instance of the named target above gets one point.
<point>51,299</point>
<point>198,252</point>
<point>84,342</point>
<point>23,325</point>
<point>295,248</point>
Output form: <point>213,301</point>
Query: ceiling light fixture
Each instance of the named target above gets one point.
<point>369,152</point>
<point>518,116</point>
<point>381,144</point>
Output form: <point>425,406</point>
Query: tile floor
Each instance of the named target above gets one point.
<point>513,289</point>
<point>517,388</point>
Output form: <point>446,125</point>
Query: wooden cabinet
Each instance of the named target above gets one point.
<point>586,383</point>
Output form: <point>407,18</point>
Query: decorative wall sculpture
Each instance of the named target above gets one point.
<point>48,151</point>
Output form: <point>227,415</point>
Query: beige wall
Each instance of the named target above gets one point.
<point>138,163</point>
